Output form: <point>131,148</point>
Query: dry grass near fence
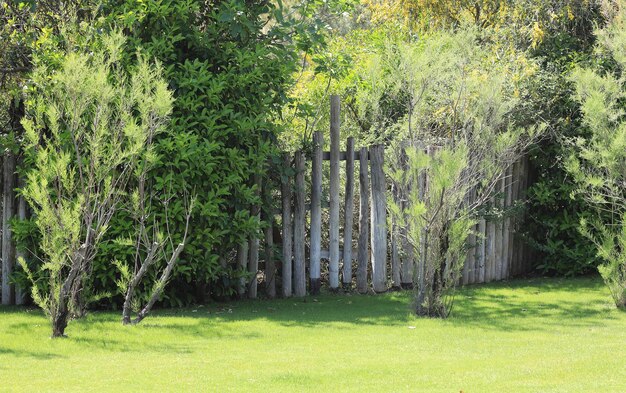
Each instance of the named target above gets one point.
<point>544,335</point>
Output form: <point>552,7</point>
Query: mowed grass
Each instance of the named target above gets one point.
<point>541,335</point>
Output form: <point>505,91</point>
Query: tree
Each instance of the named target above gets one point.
<point>151,244</point>
<point>229,63</point>
<point>87,126</point>
<point>458,136</point>
<point>597,160</point>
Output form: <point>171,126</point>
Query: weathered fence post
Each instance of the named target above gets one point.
<point>516,223</point>
<point>287,226</point>
<point>471,261</point>
<point>466,261</point>
<point>270,263</point>
<point>299,272</point>
<point>8,249</point>
<point>316,213</point>
<point>363,251</point>
<point>395,234</point>
<point>242,262</point>
<point>348,215</point>
<point>491,247</point>
<point>482,250</point>
<point>408,259</point>
<point>253,262</point>
<point>498,230</point>
<point>522,248</point>
<point>20,294</point>
<point>507,223</point>
<point>379,220</point>
<point>333,266</point>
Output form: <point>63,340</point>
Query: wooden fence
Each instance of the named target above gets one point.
<point>12,206</point>
<point>498,254</point>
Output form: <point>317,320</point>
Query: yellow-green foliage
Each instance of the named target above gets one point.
<point>457,100</point>
<point>88,127</point>
<point>598,161</point>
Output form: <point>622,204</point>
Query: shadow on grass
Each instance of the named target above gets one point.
<point>523,305</point>
<point>30,354</point>
<point>545,302</point>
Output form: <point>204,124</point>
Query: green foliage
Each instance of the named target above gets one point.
<point>87,126</point>
<point>462,108</point>
<point>229,64</point>
<point>597,161</point>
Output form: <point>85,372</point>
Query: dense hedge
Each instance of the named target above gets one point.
<point>229,73</point>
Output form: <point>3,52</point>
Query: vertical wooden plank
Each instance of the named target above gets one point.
<point>482,251</point>
<point>364,192</point>
<point>8,249</point>
<point>270,262</point>
<point>507,224</point>
<point>471,270</point>
<point>316,214</point>
<point>523,254</point>
<point>20,293</point>
<point>422,194</point>
<point>333,267</point>
<point>513,237</point>
<point>491,249</point>
<point>253,266</point>
<point>287,227</point>
<point>466,261</point>
<point>348,215</point>
<point>498,229</point>
<point>253,262</point>
<point>299,272</point>
<point>242,262</point>
<point>379,220</point>
<point>408,257</point>
<point>408,262</point>
<point>472,247</point>
<point>396,280</point>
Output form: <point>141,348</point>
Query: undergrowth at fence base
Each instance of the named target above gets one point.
<point>548,335</point>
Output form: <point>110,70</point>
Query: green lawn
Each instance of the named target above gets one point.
<point>547,335</point>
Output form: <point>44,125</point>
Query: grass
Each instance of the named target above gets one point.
<point>542,335</point>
